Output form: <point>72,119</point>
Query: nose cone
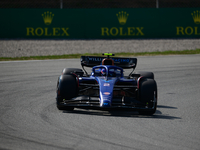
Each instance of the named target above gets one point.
<point>106,91</point>
<point>105,99</point>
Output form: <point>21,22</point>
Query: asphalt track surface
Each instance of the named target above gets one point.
<point>29,119</point>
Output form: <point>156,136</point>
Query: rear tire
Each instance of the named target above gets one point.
<point>145,74</point>
<point>77,71</point>
<point>147,95</point>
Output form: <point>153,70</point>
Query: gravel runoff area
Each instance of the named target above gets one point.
<point>19,48</point>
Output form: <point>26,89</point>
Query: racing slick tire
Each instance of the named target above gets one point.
<point>145,74</point>
<point>67,88</point>
<point>148,95</point>
<point>77,71</point>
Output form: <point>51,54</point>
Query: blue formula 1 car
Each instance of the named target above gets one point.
<point>106,88</point>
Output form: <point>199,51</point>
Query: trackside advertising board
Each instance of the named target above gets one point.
<point>127,23</point>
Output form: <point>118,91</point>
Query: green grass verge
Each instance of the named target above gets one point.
<point>68,56</point>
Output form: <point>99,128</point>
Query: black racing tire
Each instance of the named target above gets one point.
<point>147,94</point>
<point>68,71</point>
<point>145,74</point>
<point>66,89</point>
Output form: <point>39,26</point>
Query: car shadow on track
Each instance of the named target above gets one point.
<point>133,114</point>
<point>169,107</point>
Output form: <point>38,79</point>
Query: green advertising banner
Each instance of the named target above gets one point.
<point>127,23</point>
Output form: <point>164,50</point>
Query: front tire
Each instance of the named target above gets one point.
<point>148,95</point>
<point>66,89</point>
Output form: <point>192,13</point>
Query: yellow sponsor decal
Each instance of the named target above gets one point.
<point>47,17</point>
<point>122,31</point>
<point>47,31</point>
<point>196,16</point>
<point>122,17</point>
<point>190,30</point>
<point>39,31</point>
<point>187,31</point>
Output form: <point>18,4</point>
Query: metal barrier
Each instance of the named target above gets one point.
<point>63,4</point>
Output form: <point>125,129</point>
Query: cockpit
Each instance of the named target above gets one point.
<point>109,71</point>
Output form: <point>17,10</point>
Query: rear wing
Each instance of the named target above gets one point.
<point>123,62</point>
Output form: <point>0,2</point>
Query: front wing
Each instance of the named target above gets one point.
<point>125,103</point>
